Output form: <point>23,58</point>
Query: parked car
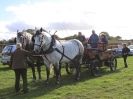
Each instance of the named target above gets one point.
<point>118,52</point>
<point>6,54</point>
<point>131,49</point>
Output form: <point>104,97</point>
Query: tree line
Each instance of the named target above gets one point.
<point>111,39</point>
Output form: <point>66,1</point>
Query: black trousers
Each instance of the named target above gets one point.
<point>20,73</point>
<point>125,60</point>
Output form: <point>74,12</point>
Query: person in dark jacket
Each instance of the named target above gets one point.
<point>81,38</point>
<point>103,39</point>
<point>93,40</point>
<point>125,51</point>
<point>18,63</point>
<point>103,42</point>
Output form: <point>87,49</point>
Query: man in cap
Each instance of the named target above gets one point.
<point>18,63</point>
<point>125,51</point>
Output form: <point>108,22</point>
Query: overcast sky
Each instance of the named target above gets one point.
<point>67,16</point>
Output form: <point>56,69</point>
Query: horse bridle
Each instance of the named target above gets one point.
<point>40,46</point>
<point>50,46</point>
<point>40,41</point>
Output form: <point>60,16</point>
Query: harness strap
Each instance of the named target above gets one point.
<point>62,54</point>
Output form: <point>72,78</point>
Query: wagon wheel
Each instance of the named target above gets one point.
<point>69,69</point>
<point>94,67</point>
<point>113,64</point>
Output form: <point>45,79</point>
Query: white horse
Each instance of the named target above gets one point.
<point>25,39</point>
<point>55,52</point>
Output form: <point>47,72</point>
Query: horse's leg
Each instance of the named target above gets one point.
<point>39,71</point>
<point>33,72</point>
<point>57,69</point>
<point>68,68</point>
<point>77,65</point>
<point>32,66</point>
<point>51,68</point>
<point>60,69</point>
<point>38,64</point>
<point>77,71</point>
<point>54,71</point>
<point>48,73</point>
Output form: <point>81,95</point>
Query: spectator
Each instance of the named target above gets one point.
<point>81,38</point>
<point>103,42</point>
<point>103,39</point>
<point>125,51</point>
<point>93,40</point>
<point>18,63</point>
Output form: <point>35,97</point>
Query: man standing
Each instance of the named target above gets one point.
<point>93,40</point>
<point>18,62</point>
<point>125,52</point>
<point>81,38</point>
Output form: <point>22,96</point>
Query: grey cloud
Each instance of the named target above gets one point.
<point>55,26</point>
<point>18,26</point>
<point>69,26</point>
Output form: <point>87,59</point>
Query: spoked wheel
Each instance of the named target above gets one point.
<point>113,64</point>
<point>69,69</point>
<point>94,68</point>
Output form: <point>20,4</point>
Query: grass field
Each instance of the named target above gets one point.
<point>111,85</point>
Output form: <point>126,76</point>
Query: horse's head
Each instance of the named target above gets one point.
<point>23,38</point>
<point>20,38</point>
<point>41,41</point>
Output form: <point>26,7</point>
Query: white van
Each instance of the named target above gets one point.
<point>6,54</point>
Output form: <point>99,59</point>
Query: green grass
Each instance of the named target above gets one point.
<point>111,85</point>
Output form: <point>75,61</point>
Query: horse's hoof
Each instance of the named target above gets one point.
<point>40,79</point>
<point>46,82</point>
<point>54,76</point>
<point>77,79</point>
<point>33,80</point>
<point>96,75</point>
<point>57,82</point>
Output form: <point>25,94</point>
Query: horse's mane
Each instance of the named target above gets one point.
<point>27,35</point>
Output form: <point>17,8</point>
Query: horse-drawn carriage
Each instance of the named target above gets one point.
<point>94,58</point>
<point>55,52</point>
